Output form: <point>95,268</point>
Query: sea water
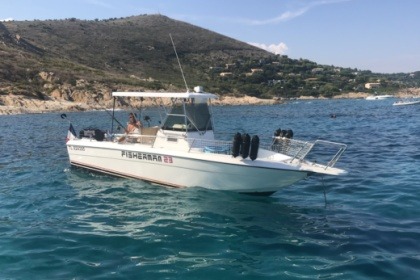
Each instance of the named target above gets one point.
<point>58,222</point>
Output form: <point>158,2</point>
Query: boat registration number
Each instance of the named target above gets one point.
<point>77,148</point>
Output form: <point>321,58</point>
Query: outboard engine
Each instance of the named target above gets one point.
<point>236,145</point>
<point>246,143</point>
<point>255,143</point>
<point>277,132</point>
<point>94,133</point>
<point>289,134</point>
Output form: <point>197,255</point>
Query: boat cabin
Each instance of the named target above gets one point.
<point>189,115</point>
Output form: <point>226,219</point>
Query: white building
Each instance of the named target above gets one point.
<point>372,85</point>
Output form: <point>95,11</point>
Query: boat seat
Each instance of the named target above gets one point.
<point>179,126</point>
<point>149,130</point>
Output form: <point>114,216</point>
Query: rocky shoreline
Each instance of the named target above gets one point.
<point>14,104</point>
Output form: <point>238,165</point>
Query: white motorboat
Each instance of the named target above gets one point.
<point>183,151</point>
<point>405,102</point>
<point>379,97</point>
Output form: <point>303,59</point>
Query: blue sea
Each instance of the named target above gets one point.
<point>58,222</point>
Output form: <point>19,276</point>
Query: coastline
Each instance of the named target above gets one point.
<point>13,105</point>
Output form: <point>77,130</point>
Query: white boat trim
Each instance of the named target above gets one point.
<point>204,95</point>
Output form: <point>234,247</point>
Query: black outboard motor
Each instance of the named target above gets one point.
<point>276,136</point>
<point>246,143</point>
<point>147,119</point>
<point>94,133</point>
<point>255,143</point>
<point>289,134</point>
<point>236,145</point>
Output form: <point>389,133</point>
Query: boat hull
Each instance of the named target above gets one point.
<point>405,103</point>
<point>183,169</point>
<point>379,97</point>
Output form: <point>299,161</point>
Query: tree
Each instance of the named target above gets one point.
<point>328,90</point>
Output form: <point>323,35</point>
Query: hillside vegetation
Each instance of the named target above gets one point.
<point>78,60</point>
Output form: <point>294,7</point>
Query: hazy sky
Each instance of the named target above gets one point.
<point>378,35</point>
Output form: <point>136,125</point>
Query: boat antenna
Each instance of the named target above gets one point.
<point>112,115</point>
<point>179,63</point>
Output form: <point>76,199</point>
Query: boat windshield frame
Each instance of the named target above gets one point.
<point>188,115</point>
<point>188,112</point>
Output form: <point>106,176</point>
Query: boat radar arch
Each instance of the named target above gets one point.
<point>198,93</point>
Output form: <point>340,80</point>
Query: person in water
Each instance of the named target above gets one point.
<point>134,125</point>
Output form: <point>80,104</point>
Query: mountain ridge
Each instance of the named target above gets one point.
<point>138,45</point>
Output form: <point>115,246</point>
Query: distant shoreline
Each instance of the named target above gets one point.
<point>15,105</point>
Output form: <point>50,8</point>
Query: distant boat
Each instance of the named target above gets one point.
<point>379,97</point>
<point>407,102</point>
<point>408,99</point>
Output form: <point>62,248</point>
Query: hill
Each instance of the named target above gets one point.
<point>83,61</point>
<point>134,51</point>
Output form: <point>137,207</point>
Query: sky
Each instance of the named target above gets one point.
<point>378,35</point>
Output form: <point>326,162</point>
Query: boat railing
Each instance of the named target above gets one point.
<point>296,149</point>
<point>323,152</point>
<point>210,146</point>
<point>328,147</point>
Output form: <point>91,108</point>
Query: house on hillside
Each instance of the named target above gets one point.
<point>317,70</point>
<point>216,68</point>
<point>372,85</point>
<point>226,74</point>
<point>256,70</point>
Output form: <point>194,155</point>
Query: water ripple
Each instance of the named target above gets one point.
<point>63,223</point>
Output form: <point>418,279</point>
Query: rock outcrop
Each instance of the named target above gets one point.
<point>84,96</point>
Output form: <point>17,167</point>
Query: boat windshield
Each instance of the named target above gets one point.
<point>196,117</point>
